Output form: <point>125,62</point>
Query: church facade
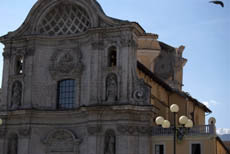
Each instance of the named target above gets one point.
<point>76,81</point>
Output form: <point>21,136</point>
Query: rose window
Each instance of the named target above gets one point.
<point>64,19</point>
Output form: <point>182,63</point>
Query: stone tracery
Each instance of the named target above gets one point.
<point>64,19</point>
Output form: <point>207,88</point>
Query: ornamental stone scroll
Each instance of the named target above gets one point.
<point>141,94</point>
<point>66,63</point>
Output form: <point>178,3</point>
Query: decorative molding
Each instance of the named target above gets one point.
<point>94,130</point>
<point>19,51</point>
<point>25,132</point>
<point>30,51</point>
<point>98,45</point>
<point>66,63</point>
<point>22,51</point>
<point>133,130</point>
<point>18,77</point>
<point>128,43</point>
<point>103,24</point>
<point>6,55</point>
<point>2,132</point>
<point>61,140</point>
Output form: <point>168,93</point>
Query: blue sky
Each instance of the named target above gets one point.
<point>201,26</point>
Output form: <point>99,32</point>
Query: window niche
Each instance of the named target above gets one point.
<point>16,95</point>
<point>66,94</point>
<point>111,88</point>
<point>110,142</point>
<point>196,148</point>
<point>112,56</point>
<point>12,147</point>
<point>19,65</point>
<point>159,149</point>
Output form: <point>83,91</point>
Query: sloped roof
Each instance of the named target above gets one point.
<point>161,82</point>
<point>222,143</point>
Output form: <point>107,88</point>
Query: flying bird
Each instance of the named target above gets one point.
<point>217,2</point>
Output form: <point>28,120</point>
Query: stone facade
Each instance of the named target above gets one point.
<point>73,39</point>
<point>76,81</point>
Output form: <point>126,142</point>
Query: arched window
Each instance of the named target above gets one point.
<point>66,94</point>
<point>110,142</point>
<point>19,65</point>
<point>112,56</point>
<point>12,144</point>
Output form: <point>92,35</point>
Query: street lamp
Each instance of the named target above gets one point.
<point>1,121</point>
<point>183,120</point>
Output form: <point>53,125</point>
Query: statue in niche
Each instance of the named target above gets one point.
<point>13,145</point>
<point>111,88</point>
<point>110,142</point>
<point>16,95</point>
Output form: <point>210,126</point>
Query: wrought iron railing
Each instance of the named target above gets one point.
<point>194,131</point>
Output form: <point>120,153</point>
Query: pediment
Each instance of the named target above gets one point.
<point>63,17</point>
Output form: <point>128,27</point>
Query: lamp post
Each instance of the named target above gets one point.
<point>183,120</point>
<point>174,108</point>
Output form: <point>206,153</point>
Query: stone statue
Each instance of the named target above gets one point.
<point>110,143</point>
<point>111,88</point>
<point>13,145</point>
<point>16,95</point>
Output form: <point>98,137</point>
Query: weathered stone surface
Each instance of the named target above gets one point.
<point>70,40</point>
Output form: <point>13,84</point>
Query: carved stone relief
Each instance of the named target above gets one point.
<point>98,45</point>
<point>6,55</point>
<point>110,142</point>
<point>93,130</point>
<point>111,88</point>
<point>134,130</point>
<point>66,62</point>
<point>23,51</point>
<point>128,43</point>
<point>141,93</point>
<point>62,141</point>
<point>25,132</point>
<point>16,95</point>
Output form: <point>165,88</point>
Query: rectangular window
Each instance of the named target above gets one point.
<point>66,94</point>
<point>196,148</point>
<point>159,149</point>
